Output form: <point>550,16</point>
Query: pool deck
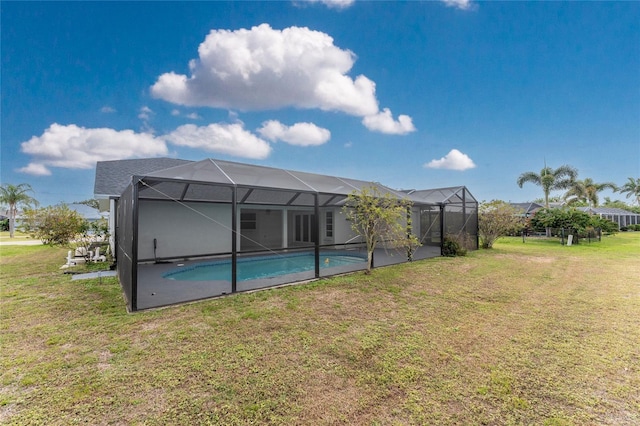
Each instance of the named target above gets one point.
<point>156,291</point>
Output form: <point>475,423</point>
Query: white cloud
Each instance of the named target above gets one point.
<point>230,139</point>
<point>301,134</point>
<point>35,169</point>
<point>107,109</point>
<point>383,122</point>
<point>333,4</point>
<point>145,113</point>
<point>460,4</point>
<point>192,116</point>
<point>76,147</point>
<point>262,68</point>
<point>454,160</point>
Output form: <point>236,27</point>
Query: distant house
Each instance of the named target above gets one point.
<point>88,213</point>
<point>527,209</point>
<point>620,216</point>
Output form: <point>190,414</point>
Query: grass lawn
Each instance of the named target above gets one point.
<point>17,236</point>
<point>532,333</point>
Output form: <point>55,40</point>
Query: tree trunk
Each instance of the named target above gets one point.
<point>369,261</point>
<point>12,221</point>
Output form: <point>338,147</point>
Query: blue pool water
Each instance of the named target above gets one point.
<point>262,267</point>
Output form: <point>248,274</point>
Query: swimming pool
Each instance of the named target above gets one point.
<point>253,268</point>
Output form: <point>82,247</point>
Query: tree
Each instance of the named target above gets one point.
<point>550,179</point>
<point>632,189</point>
<point>91,202</point>
<point>380,218</point>
<point>496,219</point>
<point>54,225</point>
<point>587,191</point>
<point>567,218</point>
<point>16,196</point>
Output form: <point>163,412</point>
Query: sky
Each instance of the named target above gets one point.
<point>414,95</point>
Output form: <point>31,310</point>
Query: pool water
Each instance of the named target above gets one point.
<point>262,267</point>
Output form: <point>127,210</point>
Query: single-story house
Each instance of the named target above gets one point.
<point>527,209</point>
<point>620,216</point>
<point>187,230</point>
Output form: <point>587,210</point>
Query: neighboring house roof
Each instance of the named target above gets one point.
<point>527,208</point>
<point>112,177</point>
<point>607,210</point>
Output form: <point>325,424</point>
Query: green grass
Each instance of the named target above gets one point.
<point>532,333</point>
<point>17,236</point>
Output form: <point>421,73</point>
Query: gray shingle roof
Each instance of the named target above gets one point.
<point>606,210</point>
<point>527,208</point>
<point>112,177</point>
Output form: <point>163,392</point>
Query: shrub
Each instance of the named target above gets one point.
<point>454,245</point>
<point>56,225</point>
<point>497,219</point>
<point>575,220</point>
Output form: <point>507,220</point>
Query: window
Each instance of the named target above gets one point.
<point>248,221</point>
<point>329,224</point>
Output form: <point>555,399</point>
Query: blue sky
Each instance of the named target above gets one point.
<point>409,94</point>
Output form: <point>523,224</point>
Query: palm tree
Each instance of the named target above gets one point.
<point>632,188</point>
<point>14,196</point>
<point>550,179</point>
<point>587,191</point>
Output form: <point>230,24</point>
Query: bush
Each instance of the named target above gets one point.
<point>497,219</point>
<point>56,225</point>
<point>453,246</point>
<point>580,222</point>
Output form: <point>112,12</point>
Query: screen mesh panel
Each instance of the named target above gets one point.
<point>273,214</point>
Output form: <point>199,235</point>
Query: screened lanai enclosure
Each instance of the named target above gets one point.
<point>209,228</point>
